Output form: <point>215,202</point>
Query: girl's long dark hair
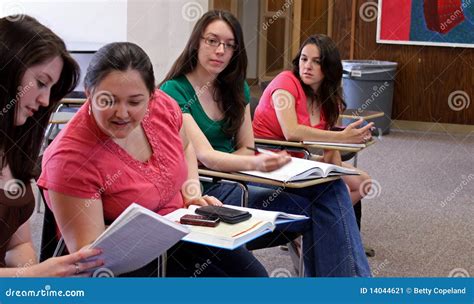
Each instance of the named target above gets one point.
<point>24,42</point>
<point>229,85</point>
<point>329,95</point>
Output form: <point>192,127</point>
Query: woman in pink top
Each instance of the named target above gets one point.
<point>304,104</point>
<point>127,145</point>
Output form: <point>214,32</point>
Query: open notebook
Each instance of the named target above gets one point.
<point>231,236</point>
<point>139,235</point>
<point>135,238</point>
<point>299,169</point>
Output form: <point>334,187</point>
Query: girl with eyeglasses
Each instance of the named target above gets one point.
<point>127,145</point>
<point>208,82</point>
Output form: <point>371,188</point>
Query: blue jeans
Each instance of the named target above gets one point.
<point>331,240</point>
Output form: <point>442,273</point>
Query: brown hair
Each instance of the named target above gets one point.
<point>229,92</point>
<point>329,95</point>
<point>24,43</point>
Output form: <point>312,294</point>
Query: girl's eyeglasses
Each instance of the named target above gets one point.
<point>216,43</point>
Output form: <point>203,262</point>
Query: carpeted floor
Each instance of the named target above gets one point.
<point>420,217</point>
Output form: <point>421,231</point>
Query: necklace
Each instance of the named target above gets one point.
<point>313,107</point>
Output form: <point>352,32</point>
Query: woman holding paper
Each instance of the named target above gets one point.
<point>37,72</point>
<point>304,104</point>
<point>208,82</point>
<point>127,145</point>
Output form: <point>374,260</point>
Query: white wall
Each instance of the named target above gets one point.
<point>250,28</point>
<point>85,25</point>
<point>162,28</point>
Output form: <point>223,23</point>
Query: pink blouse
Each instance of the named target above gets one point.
<point>265,121</point>
<point>84,162</point>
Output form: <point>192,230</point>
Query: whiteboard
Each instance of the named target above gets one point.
<point>84,25</point>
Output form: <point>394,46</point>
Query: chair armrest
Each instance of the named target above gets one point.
<point>283,145</point>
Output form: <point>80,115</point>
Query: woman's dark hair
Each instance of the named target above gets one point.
<point>24,42</point>
<point>229,85</point>
<point>329,94</point>
<point>119,56</point>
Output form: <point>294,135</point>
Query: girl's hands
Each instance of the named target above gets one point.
<point>205,200</point>
<point>355,135</point>
<point>71,265</point>
<point>270,162</point>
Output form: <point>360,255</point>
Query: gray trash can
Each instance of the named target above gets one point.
<point>368,85</point>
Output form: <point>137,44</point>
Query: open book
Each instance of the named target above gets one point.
<point>135,238</point>
<point>231,236</point>
<point>334,144</point>
<point>299,169</point>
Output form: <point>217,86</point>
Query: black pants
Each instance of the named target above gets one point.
<point>193,260</point>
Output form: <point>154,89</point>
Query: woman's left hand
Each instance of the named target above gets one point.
<point>205,200</point>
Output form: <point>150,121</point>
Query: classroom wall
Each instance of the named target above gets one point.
<point>77,22</point>
<point>427,75</point>
<point>250,28</point>
<point>162,28</point>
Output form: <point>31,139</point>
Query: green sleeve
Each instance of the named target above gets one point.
<point>247,92</point>
<point>179,93</point>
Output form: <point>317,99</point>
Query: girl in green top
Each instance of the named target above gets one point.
<point>208,82</point>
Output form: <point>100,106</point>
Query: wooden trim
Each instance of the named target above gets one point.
<point>288,51</point>
<point>262,46</point>
<point>296,27</point>
<point>235,9</point>
<point>330,17</point>
<point>407,125</point>
<point>353,28</point>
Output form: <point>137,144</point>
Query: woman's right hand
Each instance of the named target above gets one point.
<point>270,162</point>
<point>354,135</point>
<point>70,265</point>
